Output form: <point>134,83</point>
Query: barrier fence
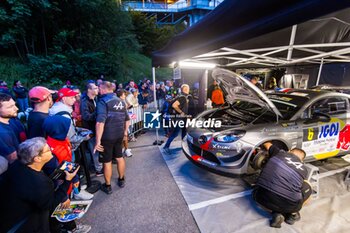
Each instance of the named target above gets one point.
<point>137,116</point>
<point>136,120</point>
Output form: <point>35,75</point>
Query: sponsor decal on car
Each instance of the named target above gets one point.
<point>219,146</point>
<point>219,154</point>
<point>344,138</point>
<point>326,139</point>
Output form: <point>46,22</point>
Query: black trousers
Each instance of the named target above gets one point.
<point>279,204</point>
<point>58,227</point>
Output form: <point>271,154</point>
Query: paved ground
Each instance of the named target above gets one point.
<point>150,201</point>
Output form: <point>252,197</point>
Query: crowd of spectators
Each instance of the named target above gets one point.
<point>41,128</point>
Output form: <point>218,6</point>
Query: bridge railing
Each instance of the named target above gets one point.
<point>145,6</point>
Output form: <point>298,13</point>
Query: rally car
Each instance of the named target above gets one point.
<point>314,120</point>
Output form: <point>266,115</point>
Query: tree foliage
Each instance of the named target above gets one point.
<point>67,39</point>
<point>150,36</point>
<point>79,39</point>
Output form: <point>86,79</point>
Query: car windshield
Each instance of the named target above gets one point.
<point>254,111</point>
<point>288,105</point>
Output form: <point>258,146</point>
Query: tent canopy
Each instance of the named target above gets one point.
<point>266,33</point>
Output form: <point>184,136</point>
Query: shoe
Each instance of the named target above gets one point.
<point>83,187</point>
<point>99,173</point>
<point>121,182</point>
<point>81,229</point>
<point>132,139</point>
<point>167,150</point>
<point>114,161</point>
<point>292,218</point>
<point>277,220</point>
<point>106,188</point>
<point>128,153</point>
<point>83,195</point>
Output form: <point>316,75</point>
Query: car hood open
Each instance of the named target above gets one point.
<point>238,88</point>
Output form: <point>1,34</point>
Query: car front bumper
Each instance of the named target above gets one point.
<point>205,160</point>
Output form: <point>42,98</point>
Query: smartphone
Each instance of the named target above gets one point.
<point>64,166</point>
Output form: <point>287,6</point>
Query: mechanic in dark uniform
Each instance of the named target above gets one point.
<point>180,107</point>
<point>112,123</point>
<point>282,187</point>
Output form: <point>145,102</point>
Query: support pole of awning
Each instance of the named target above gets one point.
<point>291,42</point>
<point>319,72</point>
<point>157,142</point>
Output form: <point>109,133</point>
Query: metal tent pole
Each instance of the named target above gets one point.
<point>291,42</point>
<point>319,72</point>
<point>157,141</point>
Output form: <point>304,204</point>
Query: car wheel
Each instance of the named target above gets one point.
<point>259,159</point>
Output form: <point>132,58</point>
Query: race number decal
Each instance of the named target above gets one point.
<point>310,134</point>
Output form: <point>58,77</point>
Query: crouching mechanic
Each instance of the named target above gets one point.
<point>282,187</point>
<point>112,123</point>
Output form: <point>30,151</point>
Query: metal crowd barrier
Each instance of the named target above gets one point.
<point>136,120</point>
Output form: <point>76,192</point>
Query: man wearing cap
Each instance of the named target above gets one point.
<point>64,107</point>
<point>41,97</point>
<point>112,125</point>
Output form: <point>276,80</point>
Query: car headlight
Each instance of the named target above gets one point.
<point>230,137</point>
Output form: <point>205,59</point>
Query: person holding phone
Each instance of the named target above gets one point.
<point>30,196</point>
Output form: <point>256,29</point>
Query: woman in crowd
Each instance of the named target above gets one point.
<point>30,195</point>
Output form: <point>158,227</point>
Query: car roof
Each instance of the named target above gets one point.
<point>310,94</point>
<point>299,96</point>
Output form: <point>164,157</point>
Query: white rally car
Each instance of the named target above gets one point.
<point>315,120</point>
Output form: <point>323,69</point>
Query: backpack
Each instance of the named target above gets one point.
<point>61,113</point>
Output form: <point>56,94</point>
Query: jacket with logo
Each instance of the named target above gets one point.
<point>283,175</point>
<point>111,111</point>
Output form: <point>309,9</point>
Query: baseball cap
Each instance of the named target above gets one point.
<point>39,94</point>
<point>66,92</point>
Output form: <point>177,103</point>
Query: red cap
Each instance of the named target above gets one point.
<point>66,92</point>
<point>39,94</point>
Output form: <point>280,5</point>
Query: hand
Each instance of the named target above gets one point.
<point>66,204</point>
<point>70,175</point>
<point>98,147</point>
<point>267,145</point>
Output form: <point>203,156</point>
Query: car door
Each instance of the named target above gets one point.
<point>325,130</point>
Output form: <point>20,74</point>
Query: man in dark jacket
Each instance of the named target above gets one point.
<point>30,194</point>
<point>21,95</point>
<point>88,117</point>
<point>112,123</point>
<point>282,187</point>
<point>4,89</point>
<point>180,107</point>
<point>8,137</point>
<point>143,99</point>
